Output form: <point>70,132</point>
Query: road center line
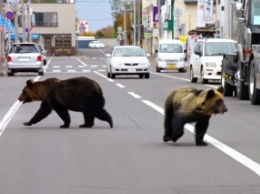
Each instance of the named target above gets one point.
<point>247,162</point>
<point>9,115</point>
<point>134,94</point>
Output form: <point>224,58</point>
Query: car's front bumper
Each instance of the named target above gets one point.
<point>171,65</point>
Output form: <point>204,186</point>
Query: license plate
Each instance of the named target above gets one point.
<point>171,66</point>
<point>24,59</point>
<point>131,70</point>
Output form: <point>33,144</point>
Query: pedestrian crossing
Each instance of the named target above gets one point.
<point>75,65</point>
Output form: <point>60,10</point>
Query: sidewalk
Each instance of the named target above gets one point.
<point>3,68</point>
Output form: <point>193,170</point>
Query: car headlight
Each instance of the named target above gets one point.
<point>161,59</point>
<point>211,64</point>
<point>118,64</point>
<point>144,64</point>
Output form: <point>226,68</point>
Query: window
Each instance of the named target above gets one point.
<point>45,19</point>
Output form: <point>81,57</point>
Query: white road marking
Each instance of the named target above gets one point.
<point>134,95</point>
<point>120,85</point>
<point>247,162</point>
<point>84,64</point>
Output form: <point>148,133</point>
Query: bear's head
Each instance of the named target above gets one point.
<point>211,102</point>
<point>28,94</point>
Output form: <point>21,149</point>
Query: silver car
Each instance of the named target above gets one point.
<point>128,60</point>
<point>24,57</point>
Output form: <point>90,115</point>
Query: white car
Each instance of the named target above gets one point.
<point>128,60</point>
<point>96,44</point>
<point>206,59</point>
<point>24,57</point>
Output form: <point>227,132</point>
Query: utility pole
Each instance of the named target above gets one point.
<point>29,21</point>
<point>23,20</point>
<point>125,24</point>
<point>159,18</point>
<point>138,22</point>
<point>16,21</point>
<point>2,34</point>
<point>134,22</point>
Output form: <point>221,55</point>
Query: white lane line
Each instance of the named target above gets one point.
<point>172,77</point>
<point>120,85</point>
<point>9,115</point>
<point>134,95</point>
<point>84,64</point>
<point>100,74</point>
<point>247,162</point>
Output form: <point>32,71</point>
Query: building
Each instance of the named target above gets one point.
<point>52,24</point>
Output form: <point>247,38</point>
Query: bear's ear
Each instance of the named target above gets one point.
<point>210,94</point>
<point>29,83</point>
<point>220,89</point>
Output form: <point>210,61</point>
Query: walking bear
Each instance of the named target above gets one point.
<point>79,94</point>
<point>187,105</point>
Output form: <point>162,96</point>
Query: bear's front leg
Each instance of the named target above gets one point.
<point>200,130</point>
<point>43,112</point>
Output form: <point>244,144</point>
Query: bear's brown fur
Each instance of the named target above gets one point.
<point>79,94</point>
<point>187,105</point>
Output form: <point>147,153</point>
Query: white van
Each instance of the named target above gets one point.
<point>170,55</point>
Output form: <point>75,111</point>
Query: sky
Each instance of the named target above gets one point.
<point>97,12</point>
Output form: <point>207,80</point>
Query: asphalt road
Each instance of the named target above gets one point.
<point>131,158</point>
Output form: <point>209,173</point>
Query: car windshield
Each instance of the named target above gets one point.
<point>128,52</point>
<point>170,48</point>
<point>220,48</point>
<point>26,48</point>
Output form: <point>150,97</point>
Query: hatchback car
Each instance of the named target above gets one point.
<point>206,59</point>
<point>128,60</point>
<point>24,57</point>
<point>44,53</point>
<point>96,44</point>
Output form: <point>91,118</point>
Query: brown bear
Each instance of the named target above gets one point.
<point>187,105</point>
<point>79,94</point>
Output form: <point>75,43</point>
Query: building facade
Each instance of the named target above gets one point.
<point>52,25</point>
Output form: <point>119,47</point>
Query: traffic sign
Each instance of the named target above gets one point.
<point>9,25</point>
<point>2,20</point>
<point>9,15</point>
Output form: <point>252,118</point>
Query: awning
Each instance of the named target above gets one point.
<point>20,36</point>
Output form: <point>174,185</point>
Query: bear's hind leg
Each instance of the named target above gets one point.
<point>200,130</point>
<point>168,124</point>
<point>89,120</point>
<point>103,115</point>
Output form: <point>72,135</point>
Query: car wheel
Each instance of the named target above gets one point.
<point>181,70</point>
<point>227,88</point>
<point>147,75</point>
<point>241,88</point>
<point>203,81</point>
<point>254,93</point>
<point>40,72</point>
<point>10,73</point>
<point>112,75</point>
<point>44,62</point>
<point>192,78</point>
<point>158,69</point>
<point>108,74</point>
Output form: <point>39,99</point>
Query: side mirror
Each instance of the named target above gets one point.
<point>198,53</point>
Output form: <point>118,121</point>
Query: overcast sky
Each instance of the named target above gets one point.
<point>97,12</point>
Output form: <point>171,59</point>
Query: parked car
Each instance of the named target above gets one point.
<point>44,53</point>
<point>170,55</point>
<point>24,57</point>
<point>96,44</point>
<point>128,60</point>
<point>206,59</point>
